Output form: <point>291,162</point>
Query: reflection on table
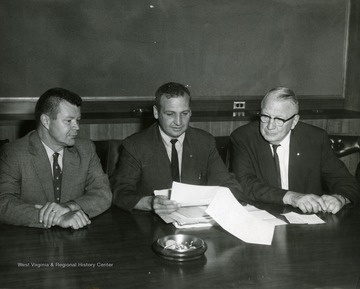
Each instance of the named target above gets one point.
<point>115,252</point>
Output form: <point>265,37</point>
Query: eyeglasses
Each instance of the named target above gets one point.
<point>278,120</point>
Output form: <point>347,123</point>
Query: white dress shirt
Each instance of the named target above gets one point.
<point>50,153</point>
<point>178,145</point>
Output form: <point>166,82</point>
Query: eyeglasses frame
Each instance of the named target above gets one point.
<point>283,121</point>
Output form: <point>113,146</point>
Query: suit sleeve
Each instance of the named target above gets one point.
<point>97,194</point>
<point>125,178</point>
<point>246,167</point>
<point>14,210</point>
<point>336,175</point>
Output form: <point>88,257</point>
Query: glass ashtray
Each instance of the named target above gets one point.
<point>179,247</point>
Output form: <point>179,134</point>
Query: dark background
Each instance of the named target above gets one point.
<point>221,49</point>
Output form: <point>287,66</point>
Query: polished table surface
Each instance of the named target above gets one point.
<point>115,252</point>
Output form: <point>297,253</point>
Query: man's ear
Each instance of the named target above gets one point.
<point>155,112</point>
<point>45,120</point>
<point>296,120</point>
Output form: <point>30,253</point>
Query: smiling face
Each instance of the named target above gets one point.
<point>282,108</point>
<point>173,115</point>
<point>62,130</point>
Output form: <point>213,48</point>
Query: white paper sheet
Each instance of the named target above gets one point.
<point>295,218</point>
<point>264,215</point>
<point>192,195</point>
<point>184,216</point>
<point>192,226</point>
<point>164,192</point>
<point>235,219</point>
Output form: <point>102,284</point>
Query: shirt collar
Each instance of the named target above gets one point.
<point>167,139</point>
<point>50,152</point>
<point>286,141</point>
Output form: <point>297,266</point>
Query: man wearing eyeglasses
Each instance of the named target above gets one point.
<point>283,161</point>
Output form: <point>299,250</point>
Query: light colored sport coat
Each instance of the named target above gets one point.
<point>26,180</point>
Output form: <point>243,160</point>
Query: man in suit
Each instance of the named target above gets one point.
<point>49,179</point>
<point>294,170</point>
<point>147,162</point>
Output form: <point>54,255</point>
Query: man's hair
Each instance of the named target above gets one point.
<point>169,90</point>
<point>283,93</point>
<point>49,101</point>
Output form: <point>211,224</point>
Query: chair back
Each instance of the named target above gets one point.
<point>108,151</point>
<point>347,148</point>
<point>3,141</point>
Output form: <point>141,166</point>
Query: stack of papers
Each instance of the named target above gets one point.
<point>193,201</point>
<point>189,217</point>
<point>204,206</point>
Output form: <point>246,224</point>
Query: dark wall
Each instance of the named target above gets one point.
<point>130,47</point>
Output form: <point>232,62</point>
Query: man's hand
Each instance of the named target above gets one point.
<point>307,203</point>
<point>162,205</point>
<point>334,203</point>
<point>50,213</point>
<point>74,219</point>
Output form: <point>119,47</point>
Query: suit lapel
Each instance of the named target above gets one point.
<point>162,163</point>
<point>187,156</point>
<point>42,166</point>
<point>266,161</point>
<point>294,157</point>
<point>71,164</point>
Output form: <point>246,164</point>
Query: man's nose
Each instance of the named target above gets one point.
<point>76,125</point>
<point>177,119</point>
<point>271,124</point>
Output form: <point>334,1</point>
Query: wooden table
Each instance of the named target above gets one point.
<point>115,252</point>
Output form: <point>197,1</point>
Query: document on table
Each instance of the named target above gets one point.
<point>189,217</point>
<point>235,219</point>
<point>193,201</point>
<point>295,218</point>
<point>264,215</point>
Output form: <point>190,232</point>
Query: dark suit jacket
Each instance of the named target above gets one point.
<point>144,166</point>
<point>26,180</point>
<point>312,163</point>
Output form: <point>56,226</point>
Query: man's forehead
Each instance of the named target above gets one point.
<point>174,101</point>
<point>284,103</point>
<point>67,108</point>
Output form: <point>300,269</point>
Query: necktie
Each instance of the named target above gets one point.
<point>174,162</point>
<point>277,165</point>
<point>56,177</point>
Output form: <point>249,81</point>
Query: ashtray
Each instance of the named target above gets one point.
<point>179,247</point>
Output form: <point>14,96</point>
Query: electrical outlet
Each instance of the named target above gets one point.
<point>239,105</point>
<point>238,113</point>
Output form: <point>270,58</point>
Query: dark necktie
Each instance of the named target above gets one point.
<point>277,165</point>
<point>57,178</point>
<point>174,162</point>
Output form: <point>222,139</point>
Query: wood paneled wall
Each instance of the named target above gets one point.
<point>216,128</point>
<point>106,131</point>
